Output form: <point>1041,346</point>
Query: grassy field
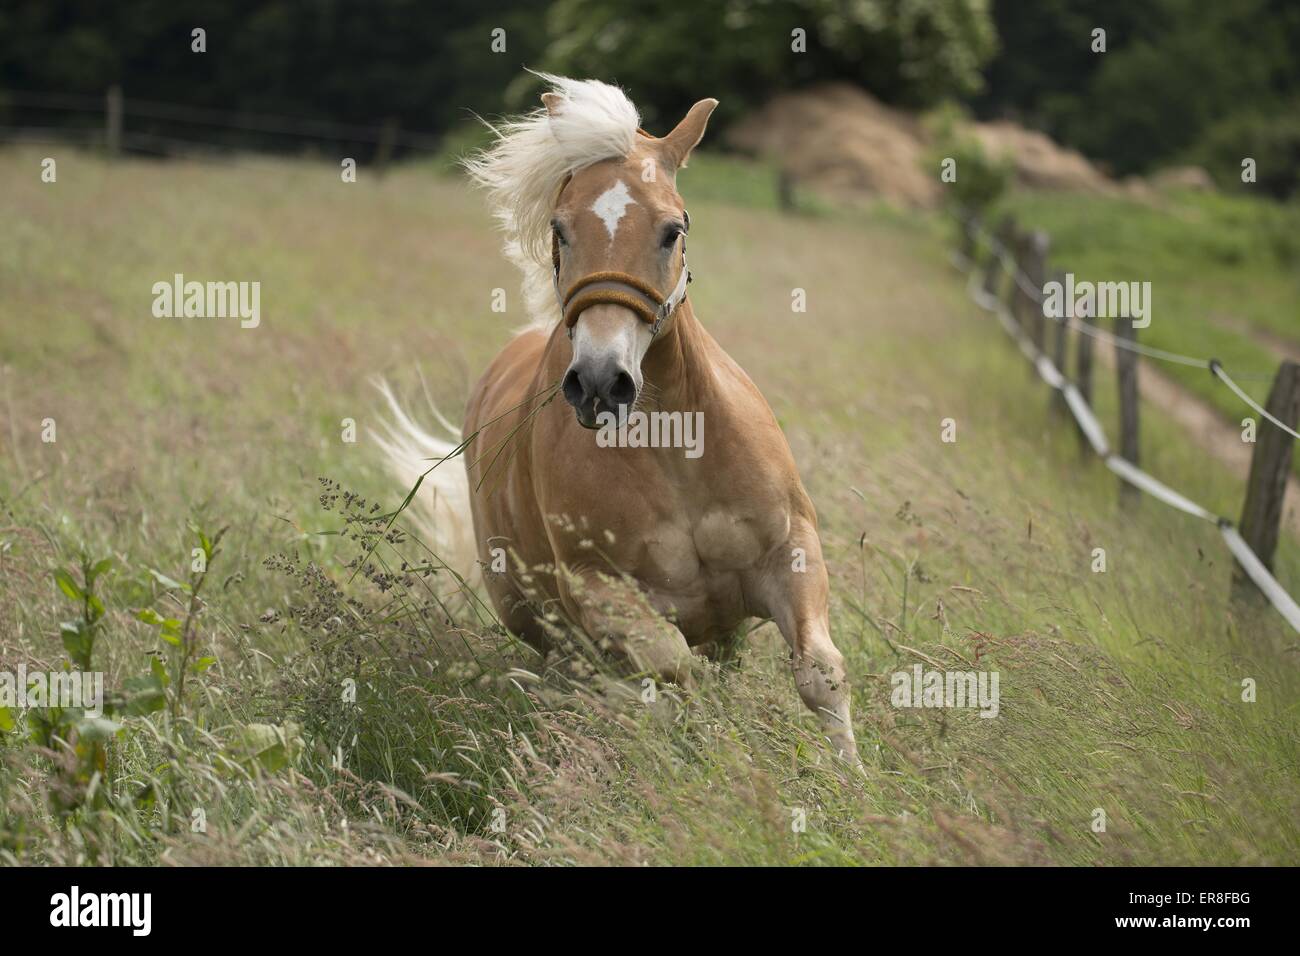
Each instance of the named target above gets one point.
<point>234,738</point>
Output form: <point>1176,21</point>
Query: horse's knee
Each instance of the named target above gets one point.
<point>663,652</point>
<point>618,612</point>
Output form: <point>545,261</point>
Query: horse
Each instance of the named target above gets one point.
<point>654,552</point>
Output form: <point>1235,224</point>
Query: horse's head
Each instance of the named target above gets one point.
<point>618,249</point>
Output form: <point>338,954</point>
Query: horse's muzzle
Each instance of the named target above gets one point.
<point>594,388</point>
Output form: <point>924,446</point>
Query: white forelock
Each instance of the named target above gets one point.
<point>524,168</point>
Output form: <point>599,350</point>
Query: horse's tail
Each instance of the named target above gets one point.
<point>440,510</point>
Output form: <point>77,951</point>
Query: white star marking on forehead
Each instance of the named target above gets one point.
<point>611,206</point>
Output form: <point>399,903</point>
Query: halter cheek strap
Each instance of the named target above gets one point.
<point>620,288</point>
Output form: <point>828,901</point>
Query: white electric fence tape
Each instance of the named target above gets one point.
<point>1251,564</point>
<point>1088,422</point>
<point>1138,478</point>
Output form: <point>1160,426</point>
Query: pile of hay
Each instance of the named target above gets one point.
<point>844,143</point>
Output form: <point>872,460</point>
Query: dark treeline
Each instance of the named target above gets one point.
<point>420,62</point>
<point>1181,80</point>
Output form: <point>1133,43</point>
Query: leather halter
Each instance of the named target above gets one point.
<point>620,288</point>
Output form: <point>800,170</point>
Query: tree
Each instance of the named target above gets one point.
<point>669,53</point>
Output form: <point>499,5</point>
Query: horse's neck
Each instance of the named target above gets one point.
<point>677,365</point>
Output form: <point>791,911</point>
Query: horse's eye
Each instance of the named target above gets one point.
<point>559,236</point>
<point>670,237</point>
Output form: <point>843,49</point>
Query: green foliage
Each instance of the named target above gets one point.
<point>68,732</point>
<point>980,179</point>
<point>906,51</point>
<point>1173,71</point>
<point>428,64</point>
<point>79,634</point>
<point>80,745</point>
<point>269,746</point>
<point>1271,139</point>
<point>179,637</point>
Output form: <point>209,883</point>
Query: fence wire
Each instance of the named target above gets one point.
<point>1008,260</point>
<point>240,121</point>
<point>1096,435</point>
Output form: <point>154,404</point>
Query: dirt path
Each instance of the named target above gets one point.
<point>1279,345</point>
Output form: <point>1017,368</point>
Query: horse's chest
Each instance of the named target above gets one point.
<point>695,565</point>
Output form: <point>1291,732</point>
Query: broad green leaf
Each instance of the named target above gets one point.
<point>271,747</point>
<point>145,695</point>
<point>168,582</point>
<point>96,729</point>
<point>67,585</point>
<point>97,569</point>
<point>77,642</point>
<point>6,720</point>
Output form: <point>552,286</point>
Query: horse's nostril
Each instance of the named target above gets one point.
<point>623,390</point>
<point>572,388</point>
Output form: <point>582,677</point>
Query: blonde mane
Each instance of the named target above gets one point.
<point>525,167</point>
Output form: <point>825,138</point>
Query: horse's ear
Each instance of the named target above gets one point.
<point>678,144</point>
<point>552,102</point>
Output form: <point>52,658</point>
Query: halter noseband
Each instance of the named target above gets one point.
<point>620,288</point>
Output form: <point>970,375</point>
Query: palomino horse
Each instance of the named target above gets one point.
<point>709,536</point>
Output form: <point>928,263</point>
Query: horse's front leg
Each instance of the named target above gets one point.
<point>792,588</point>
<point>616,610</point>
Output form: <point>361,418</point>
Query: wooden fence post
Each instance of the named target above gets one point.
<point>1015,243</point>
<point>966,222</point>
<point>387,142</point>
<point>1015,295</point>
<point>1126,367</point>
<point>1059,332</point>
<point>113,121</point>
<point>1005,234</point>
<point>1034,266</point>
<point>1082,374</point>
<point>785,190</point>
<point>1261,516</point>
